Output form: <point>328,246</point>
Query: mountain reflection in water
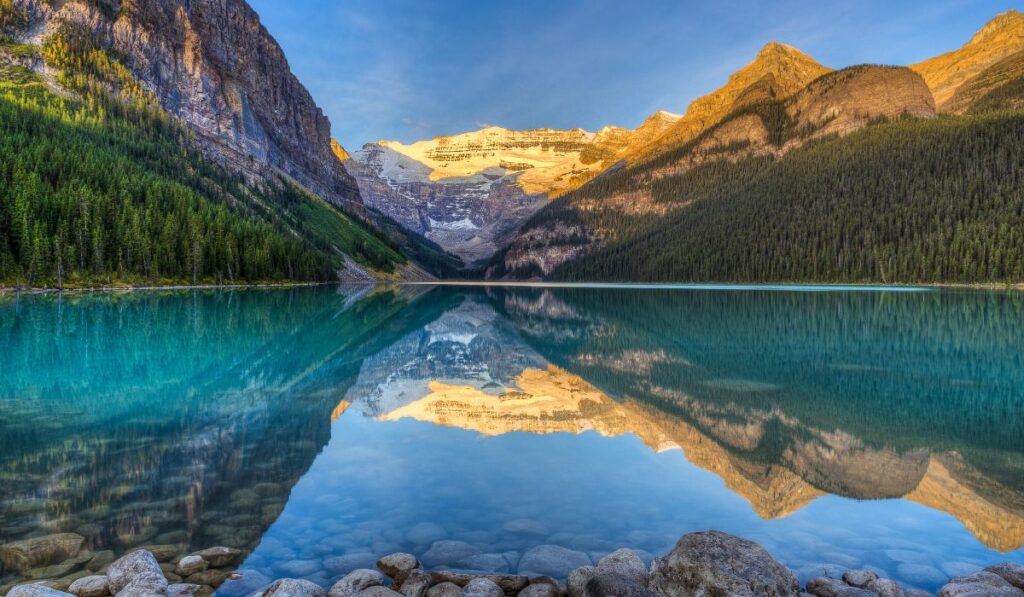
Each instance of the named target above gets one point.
<point>329,427</point>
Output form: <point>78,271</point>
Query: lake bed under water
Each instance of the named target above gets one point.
<point>320,428</point>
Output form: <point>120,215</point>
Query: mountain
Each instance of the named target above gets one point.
<point>213,65</point>
<point>792,172</point>
<point>639,199</point>
<point>471,192</point>
<point>777,72</point>
<point>945,74</point>
<point>205,159</point>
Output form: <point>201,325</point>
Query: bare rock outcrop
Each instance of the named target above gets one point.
<point>214,65</point>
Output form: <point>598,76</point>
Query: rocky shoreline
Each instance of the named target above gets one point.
<point>705,564</point>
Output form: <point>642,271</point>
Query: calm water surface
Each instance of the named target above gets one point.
<point>318,428</point>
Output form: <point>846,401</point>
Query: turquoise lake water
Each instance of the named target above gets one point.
<point>319,428</point>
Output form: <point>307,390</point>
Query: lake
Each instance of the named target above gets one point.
<point>319,428</point>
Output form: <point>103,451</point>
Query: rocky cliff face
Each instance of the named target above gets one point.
<point>1002,37</point>
<point>848,100</point>
<point>777,72</point>
<point>471,192</point>
<point>212,64</point>
<point>469,216</point>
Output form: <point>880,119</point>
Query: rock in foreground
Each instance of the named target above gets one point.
<point>715,563</point>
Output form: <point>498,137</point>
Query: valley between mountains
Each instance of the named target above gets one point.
<point>148,143</point>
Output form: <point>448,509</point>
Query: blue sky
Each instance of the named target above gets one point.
<point>413,69</point>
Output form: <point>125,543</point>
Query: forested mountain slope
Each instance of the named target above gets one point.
<point>854,178</point>
<point>100,184</point>
<point>907,201</point>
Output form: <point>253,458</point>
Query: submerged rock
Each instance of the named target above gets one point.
<point>190,565</point>
<point>859,578</point>
<point>552,560</point>
<point>717,563</point>
<point>220,557</point>
<point>21,556</point>
<point>448,552</point>
<point>36,591</point>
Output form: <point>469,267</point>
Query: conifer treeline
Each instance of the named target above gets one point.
<point>99,188</point>
<point>905,201</point>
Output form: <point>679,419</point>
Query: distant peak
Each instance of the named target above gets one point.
<point>1009,20</point>
<point>774,50</point>
<point>666,115</point>
<point>339,151</point>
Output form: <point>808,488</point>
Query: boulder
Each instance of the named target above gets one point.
<point>379,591</point>
<point>552,560</point>
<point>356,582</point>
<point>859,578</point>
<point>416,584</point>
<point>605,584</point>
<point>448,552</point>
<point>183,590</point>
<point>482,587</point>
<point>21,556</point>
<point>578,579</point>
<point>625,563</point>
<point>220,557</point>
<point>717,563</point>
<point>824,586</point>
<point>398,566</point>
<point>1011,573</point>
<point>90,586</point>
<point>511,584</point>
<point>138,572</point>
<point>541,590</point>
<point>980,584</point>
<point>189,565</point>
<point>884,587</point>
<point>36,591</point>
<point>287,587</point>
<point>445,589</point>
